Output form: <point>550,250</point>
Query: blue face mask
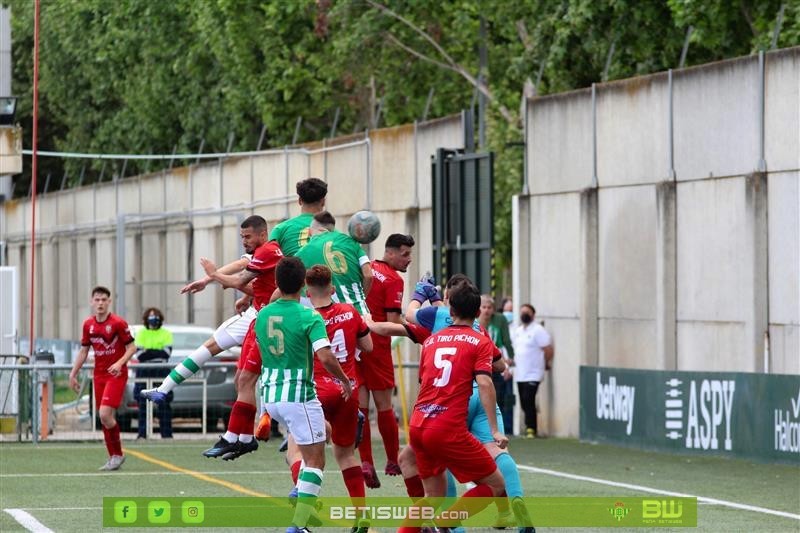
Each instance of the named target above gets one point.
<point>509,316</point>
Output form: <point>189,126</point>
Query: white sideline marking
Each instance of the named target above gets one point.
<point>92,474</point>
<point>27,521</point>
<point>642,488</point>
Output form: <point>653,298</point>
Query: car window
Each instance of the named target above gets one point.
<point>188,340</point>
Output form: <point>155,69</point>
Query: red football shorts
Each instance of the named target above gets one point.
<point>250,358</point>
<point>108,390</point>
<point>452,449</point>
<point>375,371</point>
<point>343,415</point>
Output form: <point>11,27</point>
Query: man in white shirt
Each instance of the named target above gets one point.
<point>533,352</point>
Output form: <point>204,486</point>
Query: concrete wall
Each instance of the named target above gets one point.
<point>662,231</point>
<point>172,218</point>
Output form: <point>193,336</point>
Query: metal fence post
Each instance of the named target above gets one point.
<point>670,131</point>
<point>762,162</point>
<point>594,135</point>
<point>286,176</point>
<point>120,305</point>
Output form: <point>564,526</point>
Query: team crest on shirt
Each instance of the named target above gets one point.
<point>108,328</point>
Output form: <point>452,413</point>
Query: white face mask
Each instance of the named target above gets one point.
<point>509,316</point>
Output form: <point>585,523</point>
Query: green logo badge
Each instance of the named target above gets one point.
<point>125,512</point>
<point>158,512</point>
<point>619,511</point>
<point>192,512</point>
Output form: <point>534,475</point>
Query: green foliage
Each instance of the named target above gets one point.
<point>133,76</point>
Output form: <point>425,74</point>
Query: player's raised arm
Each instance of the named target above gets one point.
<point>239,281</point>
<point>199,284</point>
<point>366,272</point>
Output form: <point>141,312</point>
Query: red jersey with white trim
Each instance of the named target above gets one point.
<point>108,339</point>
<point>385,295</point>
<point>449,362</point>
<point>265,259</point>
<point>419,334</point>
<point>344,326</point>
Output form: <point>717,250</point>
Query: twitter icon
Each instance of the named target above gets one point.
<point>158,512</point>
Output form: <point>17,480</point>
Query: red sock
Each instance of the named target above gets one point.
<point>295,468</point>
<point>113,442</point>
<point>107,440</point>
<point>354,481</point>
<point>414,487</point>
<point>387,425</point>
<point>365,448</point>
<point>479,491</point>
<point>469,503</point>
<point>242,418</point>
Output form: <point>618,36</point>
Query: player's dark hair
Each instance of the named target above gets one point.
<point>311,190</point>
<point>152,310</point>
<point>101,290</point>
<point>290,274</point>
<point>325,219</point>
<point>396,240</point>
<point>257,223</point>
<point>456,280</point>
<point>465,300</point>
<point>318,276</point>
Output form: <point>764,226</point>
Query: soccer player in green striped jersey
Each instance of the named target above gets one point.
<point>289,335</point>
<point>294,233</point>
<point>351,268</point>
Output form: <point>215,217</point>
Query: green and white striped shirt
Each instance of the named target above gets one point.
<point>288,335</point>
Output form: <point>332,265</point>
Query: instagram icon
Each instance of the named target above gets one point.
<point>192,512</point>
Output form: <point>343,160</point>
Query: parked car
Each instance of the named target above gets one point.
<point>188,396</point>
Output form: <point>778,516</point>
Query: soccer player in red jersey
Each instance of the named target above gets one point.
<point>376,372</point>
<point>113,346</point>
<point>258,278</point>
<point>450,360</point>
<point>347,332</point>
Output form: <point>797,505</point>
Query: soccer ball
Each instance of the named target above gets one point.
<point>364,227</point>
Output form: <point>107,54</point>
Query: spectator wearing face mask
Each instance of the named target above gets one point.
<point>533,353</point>
<point>507,308</point>
<point>154,343</point>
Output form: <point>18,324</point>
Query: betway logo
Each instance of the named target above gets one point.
<point>787,428</point>
<point>615,402</point>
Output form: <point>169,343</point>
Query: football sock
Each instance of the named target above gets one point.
<point>354,481</point>
<point>452,492</point>
<point>112,440</point>
<point>508,467</point>
<point>365,448</point>
<point>414,487</point>
<point>185,369</point>
<point>308,487</point>
<point>242,418</point>
<point>387,425</point>
<point>295,468</point>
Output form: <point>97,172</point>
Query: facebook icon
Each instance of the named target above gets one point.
<point>125,512</point>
